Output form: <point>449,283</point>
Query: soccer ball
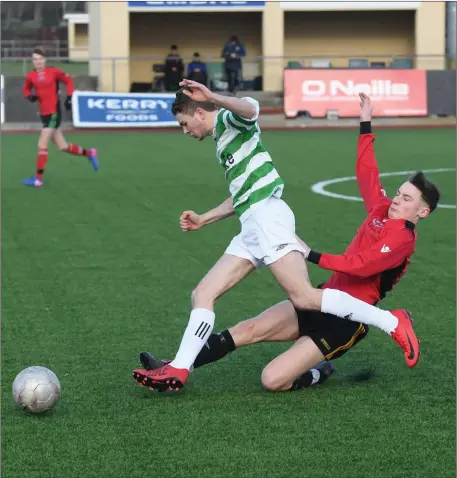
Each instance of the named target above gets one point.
<point>36,389</point>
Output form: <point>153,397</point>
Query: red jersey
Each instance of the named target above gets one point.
<point>46,86</point>
<point>380,253</point>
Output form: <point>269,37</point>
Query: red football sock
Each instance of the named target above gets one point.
<point>77,150</point>
<point>41,161</point>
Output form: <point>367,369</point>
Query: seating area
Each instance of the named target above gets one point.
<point>252,71</point>
<point>356,63</point>
<point>251,76</point>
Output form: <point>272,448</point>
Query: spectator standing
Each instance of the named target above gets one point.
<point>174,69</point>
<point>232,53</point>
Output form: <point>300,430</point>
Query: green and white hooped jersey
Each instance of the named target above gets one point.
<point>248,166</point>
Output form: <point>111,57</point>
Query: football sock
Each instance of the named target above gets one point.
<point>198,329</point>
<point>307,379</point>
<point>315,376</point>
<point>41,161</point>
<point>217,347</point>
<point>77,150</point>
<point>347,307</point>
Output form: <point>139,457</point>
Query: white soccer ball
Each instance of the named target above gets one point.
<point>36,389</point>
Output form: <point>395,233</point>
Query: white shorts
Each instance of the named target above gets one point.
<point>267,234</point>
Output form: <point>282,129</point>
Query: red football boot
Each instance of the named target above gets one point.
<point>405,337</point>
<point>163,378</point>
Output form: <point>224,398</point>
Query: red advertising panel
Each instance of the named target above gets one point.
<point>393,92</point>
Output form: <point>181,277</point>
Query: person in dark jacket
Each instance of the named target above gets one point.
<point>233,52</point>
<point>197,71</point>
<point>174,70</point>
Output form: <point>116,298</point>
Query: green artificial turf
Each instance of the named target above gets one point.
<point>96,269</point>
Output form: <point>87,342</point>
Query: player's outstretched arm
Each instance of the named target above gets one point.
<point>367,170</point>
<point>191,221</point>
<point>239,106</point>
<point>388,253</point>
<point>222,211</point>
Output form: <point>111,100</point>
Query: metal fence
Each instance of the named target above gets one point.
<point>22,49</point>
<point>149,70</point>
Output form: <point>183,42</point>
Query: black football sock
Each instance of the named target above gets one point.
<point>315,376</point>
<point>306,380</point>
<point>217,347</point>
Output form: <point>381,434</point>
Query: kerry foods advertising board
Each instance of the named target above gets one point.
<point>393,92</point>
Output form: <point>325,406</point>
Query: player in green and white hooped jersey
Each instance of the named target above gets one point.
<point>249,169</point>
<point>267,236</point>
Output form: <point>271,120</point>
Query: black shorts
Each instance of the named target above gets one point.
<point>52,121</point>
<point>332,335</point>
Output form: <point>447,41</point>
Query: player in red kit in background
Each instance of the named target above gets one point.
<point>42,85</point>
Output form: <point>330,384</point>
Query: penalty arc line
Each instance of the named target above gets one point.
<point>319,188</point>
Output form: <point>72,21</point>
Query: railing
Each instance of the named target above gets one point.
<point>363,61</point>
<point>19,49</point>
<point>148,69</point>
<point>75,7</point>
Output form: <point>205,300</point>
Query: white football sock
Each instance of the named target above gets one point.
<point>198,330</point>
<point>347,307</point>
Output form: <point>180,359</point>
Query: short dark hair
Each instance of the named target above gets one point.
<point>185,105</point>
<point>174,47</point>
<point>39,50</point>
<point>197,54</point>
<point>430,192</point>
<point>234,38</point>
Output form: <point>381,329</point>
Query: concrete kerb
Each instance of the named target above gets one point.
<point>269,123</point>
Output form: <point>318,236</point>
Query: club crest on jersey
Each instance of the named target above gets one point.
<point>378,223</point>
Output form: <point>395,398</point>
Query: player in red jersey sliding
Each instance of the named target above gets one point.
<point>373,263</point>
<point>42,85</point>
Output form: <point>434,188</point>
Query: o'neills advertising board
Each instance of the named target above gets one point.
<point>393,92</point>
